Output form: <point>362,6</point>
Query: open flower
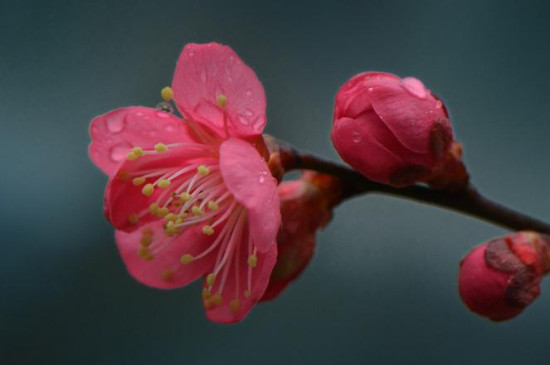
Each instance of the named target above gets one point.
<point>500,278</point>
<point>195,198</point>
<point>395,131</point>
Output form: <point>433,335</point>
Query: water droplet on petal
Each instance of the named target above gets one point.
<point>118,153</point>
<point>248,112</point>
<point>248,92</point>
<point>169,128</point>
<point>356,137</point>
<point>115,123</point>
<point>415,87</point>
<point>164,109</point>
<point>262,177</point>
<point>370,89</point>
<point>438,104</point>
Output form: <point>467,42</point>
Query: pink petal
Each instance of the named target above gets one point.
<point>165,270</point>
<point>205,71</point>
<point>260,278</point>
<point>408,110</point>
<point>375,161</point>
<point>124,200</point>
<point>116,132</point>
<point>248,178</point>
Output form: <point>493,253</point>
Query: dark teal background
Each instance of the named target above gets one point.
<point>382,286</point>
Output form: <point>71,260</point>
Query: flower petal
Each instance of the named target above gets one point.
<point>164,270</point>
<point>248,178</point>
<point>228,311</point>
<point>206,71</point>
<point>376,162</point>
<point>406,107</point>
<point>116,132</point>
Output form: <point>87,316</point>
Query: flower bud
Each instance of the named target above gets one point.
<point>396,132</point>
<point>500,278</point>
<point>306,206</point>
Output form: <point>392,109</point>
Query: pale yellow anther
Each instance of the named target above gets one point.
<point>221,100</point>
<point>187,258</point>
<point>137,181</point>
<point>146,240</point>
<point>197,211</point>
<point>247,294</point>
<point>163,184</point>
<point>167,274</point>
<point>185,197</point>
<point>153,208</point>
<point>212,205</point>
<point>179,220</point>
<point>235,305</point>
<point>217,299</point>
<point>162,212</point>
<point>203,170</point>
<point>208,230</point>
<point>131,156</point>
<point>167,93</point>
<point>145,254</point>
<point>170,217</point>
<point>170,229</point>
<point>252,261</point>
<point>205,295</point>
<point>148,231</point>
<point>123,175</point>
<point>211,279</point>
<point>161,147</point>
<point>138,151</point>
<point>133,218</point>
<point>148,190</point>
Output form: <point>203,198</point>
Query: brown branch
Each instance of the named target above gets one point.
<point>467,200</point>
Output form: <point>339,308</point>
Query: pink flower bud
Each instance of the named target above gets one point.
<point>306,206</point>
<point>500,278</point>
<point>395,131</point>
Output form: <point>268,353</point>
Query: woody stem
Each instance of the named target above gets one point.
<point>467,200</point>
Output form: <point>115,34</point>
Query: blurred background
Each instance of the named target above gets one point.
<point>382,288</point>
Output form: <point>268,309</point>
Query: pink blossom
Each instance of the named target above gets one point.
<point>306,207</point>
<point>392,130</point>
<point>194,197</point>
<point>500,278</point>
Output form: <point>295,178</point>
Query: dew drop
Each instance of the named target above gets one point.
<point>248,112</point>
<point>356,137</point>
<point>164,109</point>
<point>169,128</point>
<point>119,152</point>
<point>370,89</point>
<point>438,104</point>
<point>262,177</point>
<point>248,92</point>
<point>115,123</point>
<point>415,87</point>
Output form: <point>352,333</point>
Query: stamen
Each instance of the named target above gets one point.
<point>131,156</point>
<point>211,279</point>
<point>187,258</point>
<point>212,205</point>
<point>167,274</point>
<point>185,196</point>
<point>221,100</point>
<point>217,299</point>
<point>137,181</point>
<point>207,230</point>
<point>203,170</point>
<point>138,151</point>
<point>153,208</point>
<point>145,254</point>
<point>198,212</point>
<point>161,147</point>
<point>252,261</point>
<point>247,294</point>
<point>235,305</point>
<point>170,217</point>
<point>205,295</point>
<point>148,190</point>
<point>167,93</point>
<point>163,184</point>
<point>133,218</point>
<point>146,240</point>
